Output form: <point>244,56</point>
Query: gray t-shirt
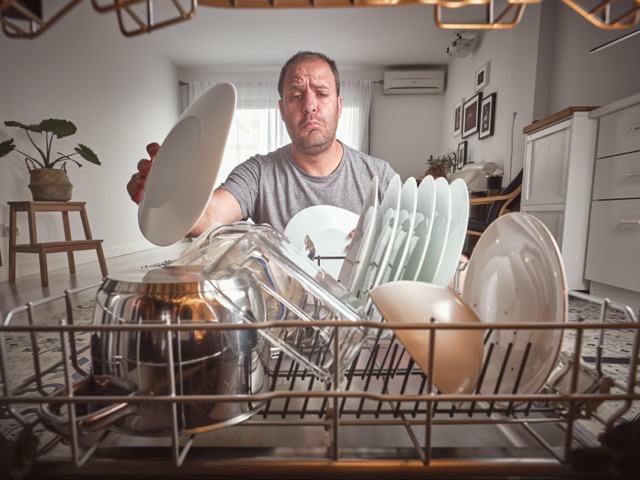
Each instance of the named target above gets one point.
<point>272,188</point>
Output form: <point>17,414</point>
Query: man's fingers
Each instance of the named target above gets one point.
<point>152,149</point>
<point>144,166</point>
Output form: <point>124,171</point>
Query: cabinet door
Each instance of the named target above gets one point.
<point>553,218</point>
<point>619,132</point>
<point>617,177</point>
<point>546,165</point>
<point>614,244</point>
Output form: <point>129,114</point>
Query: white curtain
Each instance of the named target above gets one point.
<point>353,128</point>
<point>258,128</point>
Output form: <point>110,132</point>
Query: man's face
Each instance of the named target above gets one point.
<point>310,106</point>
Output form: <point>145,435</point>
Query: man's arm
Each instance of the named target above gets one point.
<point>222,208</point>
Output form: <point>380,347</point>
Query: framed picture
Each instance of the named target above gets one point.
<point>470,114</point>
<point>462,155</point>
<point>457,118</point>
<point>482,77</point>
<point>487,115</point>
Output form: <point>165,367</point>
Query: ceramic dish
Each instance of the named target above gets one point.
<point>457,233</point>
<point>186,167</point>
<point>387,224</point>
<point>359,253</point>
<point>404,233</point>
<point>458,352</point>
<point>323,231</point>
<point>515,274</point>
<point>439,232</point>
<point>425,211</point>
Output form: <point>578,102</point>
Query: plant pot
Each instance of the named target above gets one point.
<point>50,184</point>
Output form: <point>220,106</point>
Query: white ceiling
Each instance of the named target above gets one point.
<point>359,37</point>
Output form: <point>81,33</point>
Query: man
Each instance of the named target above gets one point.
<point>314,169</point>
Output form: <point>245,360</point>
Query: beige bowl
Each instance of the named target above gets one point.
<point>458,352</point>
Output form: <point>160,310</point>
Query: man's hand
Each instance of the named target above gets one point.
<point>136,185</point>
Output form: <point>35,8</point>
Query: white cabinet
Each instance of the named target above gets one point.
<point>613,255</point>
<point>557,180</point>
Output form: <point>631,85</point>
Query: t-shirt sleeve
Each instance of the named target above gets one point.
<point>243,184</point>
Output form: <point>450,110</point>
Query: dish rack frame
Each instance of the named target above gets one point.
<point>559,431</point>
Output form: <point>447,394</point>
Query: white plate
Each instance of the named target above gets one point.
<point>458,352</point>
<point>387,224</point>
<point>360,249</point>
<point>439,232</point>
<point>425,212</point>
<point>327,228</point>
<point>185,169</point>
<point>457,233</point>
<point>404,233</point>
<point>515,274</point>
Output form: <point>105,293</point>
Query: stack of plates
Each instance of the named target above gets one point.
<point>415,233</point>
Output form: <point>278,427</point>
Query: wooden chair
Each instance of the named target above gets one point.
<point>508,200</point>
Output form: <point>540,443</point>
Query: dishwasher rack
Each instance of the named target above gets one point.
<point>384,418</point>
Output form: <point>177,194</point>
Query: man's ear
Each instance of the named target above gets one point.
<point>339,107</point>
<point>280,107</point>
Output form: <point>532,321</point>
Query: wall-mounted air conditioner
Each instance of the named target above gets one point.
<point>413,82</point>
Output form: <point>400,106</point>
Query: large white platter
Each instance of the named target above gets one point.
<point>439,232</point>
<point>425,212</point>
<point>404,233</point>
<point>516,275</point>
<point>354,267</point>
<point>387,225</point>
<point>185,169</point>
<point>457,233</point>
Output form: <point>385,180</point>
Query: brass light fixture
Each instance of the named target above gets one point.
<point>134,19</point>
<point>26,19</point>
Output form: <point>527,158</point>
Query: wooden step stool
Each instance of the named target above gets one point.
<point>43,249</point>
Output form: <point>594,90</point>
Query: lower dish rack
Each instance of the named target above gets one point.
<point>384,418</point>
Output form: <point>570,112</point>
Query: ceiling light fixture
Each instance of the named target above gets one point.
<point>25,18</point>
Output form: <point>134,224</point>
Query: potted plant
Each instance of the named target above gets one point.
<point>48,170</point>
<point>440,166</point>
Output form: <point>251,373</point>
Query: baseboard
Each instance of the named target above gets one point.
<point>28,264</point>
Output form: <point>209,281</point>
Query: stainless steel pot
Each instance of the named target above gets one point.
<point>204,362</point>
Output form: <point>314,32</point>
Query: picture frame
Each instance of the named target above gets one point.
<point>461,155</point>
<point>482,77</point>
<point>487,116</point>
<point>470,115</point>
<point>457,118</point>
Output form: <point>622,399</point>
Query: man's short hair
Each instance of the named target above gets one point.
<point>302,57</point>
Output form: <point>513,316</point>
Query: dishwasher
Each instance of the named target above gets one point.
<point>371,414</point>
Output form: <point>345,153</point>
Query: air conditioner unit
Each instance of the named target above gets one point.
<point>413,82</point>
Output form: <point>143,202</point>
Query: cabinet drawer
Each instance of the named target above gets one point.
<point>614,247</point>
<point>619,132</point>
<point>617,177</point>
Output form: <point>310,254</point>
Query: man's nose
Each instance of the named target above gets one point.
<point>310,103</point>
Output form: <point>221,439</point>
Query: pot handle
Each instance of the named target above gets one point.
<point>106,416</point>
<point>89,423</point>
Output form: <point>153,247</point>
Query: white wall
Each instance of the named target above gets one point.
<point>581,78</point>
<point>119,94</point>
<point>512,58</point>
<point>405,130</point>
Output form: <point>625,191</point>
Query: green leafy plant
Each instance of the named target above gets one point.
<point>448,161</point>
<point>51,128</point>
